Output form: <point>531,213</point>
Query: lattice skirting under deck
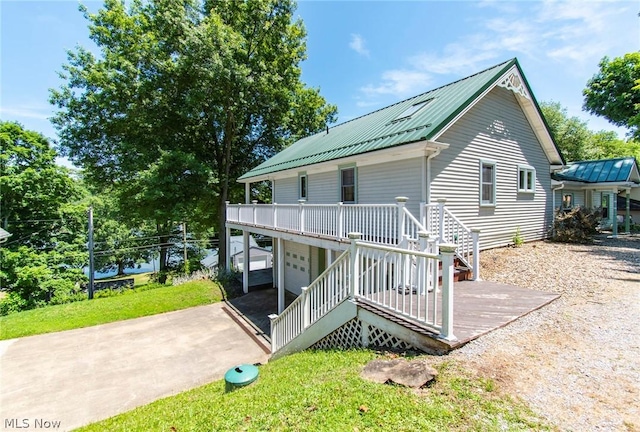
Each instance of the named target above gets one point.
<point>350,336</point>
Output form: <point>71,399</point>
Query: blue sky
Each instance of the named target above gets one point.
<point>364,55</point>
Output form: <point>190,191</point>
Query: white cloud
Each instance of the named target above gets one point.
<point>31,112</point>
<point>571,35</point>
<point>357,44</point>
<point>399,82</point>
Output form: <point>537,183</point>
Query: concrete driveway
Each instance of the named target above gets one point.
<point>75,377</point>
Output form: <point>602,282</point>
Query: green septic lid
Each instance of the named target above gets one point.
<point>241,375</point>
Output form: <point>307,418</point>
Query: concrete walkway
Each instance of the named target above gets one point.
<point>80,376</point>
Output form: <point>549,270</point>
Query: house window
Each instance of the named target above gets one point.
<point>567,201</point>
<point>526,179</point>
<point>302,186</point>
<point>487,183</point>
<point>348,185</point>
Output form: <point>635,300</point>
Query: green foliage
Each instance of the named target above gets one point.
<point>33,189</point>
<point>614,92</point>
<point>150,299</point>
<point>518,240</point>
<point>577,142</point>
<point>183,98</point>
<point>323,391</point>
<point>578,225</point>
<point>41,207</point>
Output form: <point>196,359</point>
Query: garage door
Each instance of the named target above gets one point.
<point>296,266</point>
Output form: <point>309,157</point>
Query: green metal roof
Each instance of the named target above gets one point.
<point>384,128</point>
<point>600,171</point>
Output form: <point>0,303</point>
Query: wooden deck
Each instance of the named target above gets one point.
<point>479,308</point>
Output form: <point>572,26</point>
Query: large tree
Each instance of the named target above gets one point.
<point>577,142</point>
<point>41,205</point>
<point>33,189</point>
<point>184,97</point>
<point>614,92</point>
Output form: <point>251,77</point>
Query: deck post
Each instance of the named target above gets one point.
<point>255,209</point>
<point>441,203</point>
<point>274,338</point>
<point>447,252</point>
<point>246,258</point>
<point>340,221</point>
<point>423,214</point>
<point>306,307</point>
<point>401,202</point>
<point>227,241</point>
<point>301,214</point>
<point>280,264</point>
<point>275,215</point>
<point>354,271</point>
<point>423,264</point>
<point>475,236</point>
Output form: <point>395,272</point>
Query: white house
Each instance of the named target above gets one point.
<point>465,165</point>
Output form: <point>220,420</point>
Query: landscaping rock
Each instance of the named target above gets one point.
<point>415,374</point>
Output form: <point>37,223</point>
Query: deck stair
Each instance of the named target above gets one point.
<point>360,293</point>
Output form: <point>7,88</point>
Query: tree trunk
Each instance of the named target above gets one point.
<point>120,267</point>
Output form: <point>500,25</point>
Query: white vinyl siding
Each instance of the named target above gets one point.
<point>495,128</point>
<point>382,183</point>
<point>286,191</point>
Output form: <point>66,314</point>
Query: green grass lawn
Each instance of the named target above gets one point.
<point>131,304</point>
<point>322,391</point>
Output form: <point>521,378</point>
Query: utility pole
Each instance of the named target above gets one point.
<point>91,269</point>
<point>184,245</point>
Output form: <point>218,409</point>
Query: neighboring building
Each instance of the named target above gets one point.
<point>608,184</point>
<point>467,164</point>
<point>4,235</point>
<point>260,258</point>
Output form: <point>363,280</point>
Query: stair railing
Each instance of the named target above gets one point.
<point>449,229</point>
<point>325,293</point>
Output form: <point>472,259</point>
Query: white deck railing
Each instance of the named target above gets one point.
<point>439,221</point>
<point>403,282</point>
<point>378,223</point>
<point>386,224</point>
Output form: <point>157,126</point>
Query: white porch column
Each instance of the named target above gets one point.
<point>354,280</point>
<point>328,257</point>
<point>475,235</point>
<point>227,242</point>
<point>447,252</point>
<point>280,263</point>
<point>274,266</point>
<point>401,202</point>
<point>627,216</point>
<point>614,213</point>
<point>246,262</point>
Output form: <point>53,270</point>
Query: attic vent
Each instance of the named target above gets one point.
<point>407,113</point>
<point>514,83</point>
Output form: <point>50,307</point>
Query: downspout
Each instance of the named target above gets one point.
<point>426,185</point>
<point>427,197</point>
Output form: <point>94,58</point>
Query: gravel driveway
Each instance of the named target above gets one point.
<point>577,361</point>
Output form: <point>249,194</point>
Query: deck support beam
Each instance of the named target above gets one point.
<point>447,252</point>
<point>280,263</point>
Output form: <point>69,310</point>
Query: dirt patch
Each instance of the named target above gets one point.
<point>577,361</point>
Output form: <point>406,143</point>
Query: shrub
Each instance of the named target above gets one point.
<point>577,225</point>
<point>517,238</point>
